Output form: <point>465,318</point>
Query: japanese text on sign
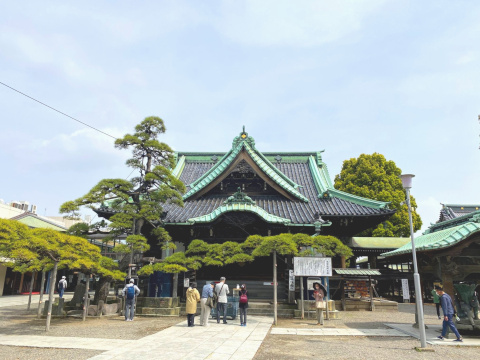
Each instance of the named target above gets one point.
<point>305,266</point>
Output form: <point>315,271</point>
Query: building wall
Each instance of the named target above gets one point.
<point>7,211</point>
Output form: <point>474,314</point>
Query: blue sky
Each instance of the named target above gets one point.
<point>401,78</point>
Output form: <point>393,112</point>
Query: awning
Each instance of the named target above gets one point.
<point>358,272</point>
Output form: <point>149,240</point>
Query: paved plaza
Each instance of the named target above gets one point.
<point>219,341</point>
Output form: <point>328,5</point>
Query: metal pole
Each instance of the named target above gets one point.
<point>302,307</point>
<point>416,279</point>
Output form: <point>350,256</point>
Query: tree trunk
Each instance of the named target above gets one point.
<point>40,301</point>
<point>85,301</point>
<point>274,287</point>
<point>102,290</point>
<point>175,285</point>
<point>130,262</point>
<point>31,290</point>
<point>53,280</point>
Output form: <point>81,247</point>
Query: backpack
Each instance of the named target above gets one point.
<point>131,292</point>
<point>60,285</point>
<point>243,298</point>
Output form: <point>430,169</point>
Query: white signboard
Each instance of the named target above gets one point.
<point>405,289</point>
<point>291,281</point>
<point>186,282</point>
<point>312,266</point>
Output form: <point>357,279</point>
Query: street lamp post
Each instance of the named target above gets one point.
<point>407,185</point>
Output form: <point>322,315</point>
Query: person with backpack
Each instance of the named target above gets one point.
<point>243,305</point>
<point>130,292</point>
<point>448,314</point>
<point>62,285</point>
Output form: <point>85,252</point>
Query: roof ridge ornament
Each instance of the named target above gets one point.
<point>243,137</point>
<point>239,198</point>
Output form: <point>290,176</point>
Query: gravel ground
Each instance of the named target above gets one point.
<point>18,321</point>
<point>281,347</point>
<point>29,353</point>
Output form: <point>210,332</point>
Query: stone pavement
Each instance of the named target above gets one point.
<point>338,332</point>
<point>15,300</point>
<point>217,341</point>
<point>431,334</point>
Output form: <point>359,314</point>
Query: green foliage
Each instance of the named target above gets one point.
<point>39,249</point>
<point>373,177</point>
<point>283,244</point>
<point>198,247</point>
<point>79,229</point>
<point>139,200</point>
<point>136,243</point>
<point>239,258</point>
<point>330,246</point>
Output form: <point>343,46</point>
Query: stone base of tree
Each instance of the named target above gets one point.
<point>165,306</point>
<point>57,307</point>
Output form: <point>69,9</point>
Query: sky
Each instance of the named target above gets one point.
<point>401,78</point>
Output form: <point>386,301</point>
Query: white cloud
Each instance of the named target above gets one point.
<point>301,23</point>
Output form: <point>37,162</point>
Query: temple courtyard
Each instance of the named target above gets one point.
<point>356,335</point>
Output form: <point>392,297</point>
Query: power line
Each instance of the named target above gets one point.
<point>50,107</point>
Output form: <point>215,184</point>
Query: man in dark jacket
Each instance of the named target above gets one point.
<point>448,313</point>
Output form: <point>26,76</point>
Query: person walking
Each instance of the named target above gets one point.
<point>130,293</point>
<point>62,285</point>
<point>318,294</point>
<point>436,301</point>
<point>448,314</point>
<point>205,309</point>
<point>243,305</point>
<point>193,297</point>
<point>222,291</point>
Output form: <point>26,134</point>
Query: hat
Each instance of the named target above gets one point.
<point>212,283</point>
<point>243,286</point>
<point>222,278</point>
<point>132,281</point>
<point>437,287</point>
<point>63,277</point>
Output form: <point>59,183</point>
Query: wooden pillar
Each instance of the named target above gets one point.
<point>372,259</point>
<point>372,305</point>
<point>447,281</point>
<point>344,303</point>
<point>343,262</point>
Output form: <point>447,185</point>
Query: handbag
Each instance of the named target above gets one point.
<point>320,304</point>
<point>209,302</point>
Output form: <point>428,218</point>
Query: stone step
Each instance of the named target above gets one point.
<point>158,311</point>
<point>312,314</point>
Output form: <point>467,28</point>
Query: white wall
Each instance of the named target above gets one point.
<point>8,212</point>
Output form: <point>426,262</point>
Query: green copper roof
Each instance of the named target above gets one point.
<point>248,207</point>
<point>179,167</point>
<point>368,272</point>
<point>325,188</point>
<point>439,239</point>
<point>247,143</point>
<point>377,242</point>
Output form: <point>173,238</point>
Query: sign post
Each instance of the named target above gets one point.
<point>315,267</point>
